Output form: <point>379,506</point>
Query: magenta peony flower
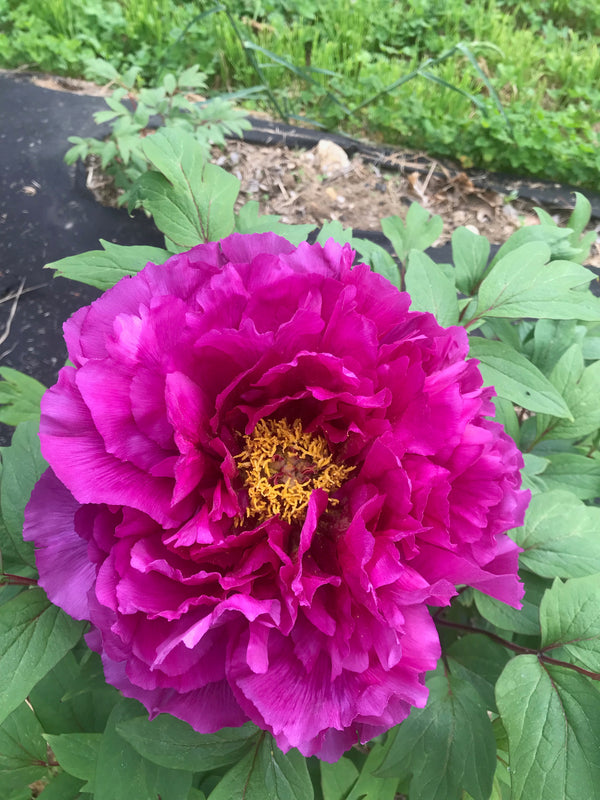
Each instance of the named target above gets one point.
<point>263,469</point>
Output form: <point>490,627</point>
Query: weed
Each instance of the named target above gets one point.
<point>322,61</point>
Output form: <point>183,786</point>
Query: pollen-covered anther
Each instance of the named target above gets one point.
<point>281,466</point>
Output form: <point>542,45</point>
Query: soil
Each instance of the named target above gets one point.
<point>308,186</point>
<point>292,184</point>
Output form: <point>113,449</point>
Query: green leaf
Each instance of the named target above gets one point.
<point>63,787</point>
<point>22,465</point>
<point>22,750</point>
<point>580,217</point>
<point>418,232</point>
<point>574,472</point>
<point>431,288</point>
<point>336,231</point>
<point>192,78</point>
<point>570,620</point>
<point>552,717</point>
<point>507,417</point>
<point>560,536</point>
<point>103,268</point>
<point>371,785</point>
<point>564,375</point>
<point>104,116</point>
<point>20,397</point>
<point>556,239</point>
<point>447,746</point>
<point>551,338</point>
<point>506,330</point>
<point>98,68</point>
<point>591,348</point>
<point>77,753</point>
<point>515,378</point>
<point>337,779</point>
<point>582,398</point>
<point>248,220</point>
<point>192,200</point>
<point>524,284</point>
<point>478,660</point>
<point>265,773</point>
<point>169,83</point>
<point>378,259</point>
<point>525,620</point>
<point>34,636</point>
<point>74,697</point>
<point>470,254</point>
<point>123,774</point>
<point>533,467</point>
<point>170,742</point>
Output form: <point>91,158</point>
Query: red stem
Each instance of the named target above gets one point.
<point>517,648</point>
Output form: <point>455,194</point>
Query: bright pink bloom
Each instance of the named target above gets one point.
<point>314,624</point>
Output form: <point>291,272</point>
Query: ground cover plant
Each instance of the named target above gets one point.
<point>258,439</point>
<point>334,63</point>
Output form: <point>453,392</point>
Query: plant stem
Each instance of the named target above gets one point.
<point>517,648</point>
<point>16,580</point>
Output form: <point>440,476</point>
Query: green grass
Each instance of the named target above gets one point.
<point>545,66</point>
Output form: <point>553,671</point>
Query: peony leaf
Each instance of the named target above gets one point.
<point>431,288</point>
<point>265,773</point>
<point>565,375</point>
<point>555,238</point>
<point>336,231</point>
<point>192,200</point>
<point>22,750</point>
<point>418,232</point>
<point>506,415</point>
<point>573,471</point>
<point>103,268</point>
<point>515,378</point>
<point>34,636</point>
<point>532,473</point>
<point>526,620</point>
<point>22,465</point>
<point>74,697</point>
<point>123,774</point>
<point>477,660</point>
<point>170,742</point>
<point>524,284</point>
<point>77,753</point>
<point>447,746</point>
<point>560,536</point>
<point>63,787</point>
<point>570,620</point>
<point>378,259</point>
<point>582,398</point>
<point>551,338</point>
<point>248,220</point>
<point>337,779</point>
<point>552,717</point>
<point>20,396</point>
<point>470,255</point>
<point>371,785</point>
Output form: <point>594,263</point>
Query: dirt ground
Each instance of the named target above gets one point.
<point>322,184</point>
<point>305,186</point>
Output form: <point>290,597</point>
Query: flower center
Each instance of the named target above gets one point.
<point>282,465</point>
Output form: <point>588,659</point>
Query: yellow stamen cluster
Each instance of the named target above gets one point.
<point>282,465</point>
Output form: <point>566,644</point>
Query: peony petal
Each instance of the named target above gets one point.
<point>60,552</point>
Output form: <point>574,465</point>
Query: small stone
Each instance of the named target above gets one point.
<point>331,159</point>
